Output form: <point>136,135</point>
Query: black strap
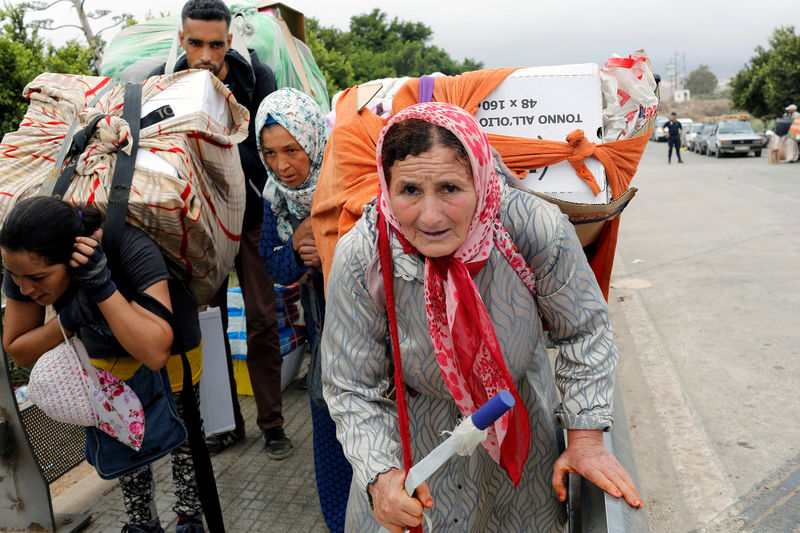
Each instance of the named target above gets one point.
<point>121,181</point>
<point>76,148</point>
<point>157,115</point>
<point>203,469</point>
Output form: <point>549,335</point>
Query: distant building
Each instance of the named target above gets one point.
<point>682,95</point>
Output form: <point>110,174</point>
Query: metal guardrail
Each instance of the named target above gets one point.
<point>593,511</point>
<point>33,453</point>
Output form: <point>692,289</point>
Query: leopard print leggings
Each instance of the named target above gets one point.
<point>138,487</point>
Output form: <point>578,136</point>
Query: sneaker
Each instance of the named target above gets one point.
<point>127,528</point>
<point>191,524</point>
<point>277,443</point>
<point>220,441</point>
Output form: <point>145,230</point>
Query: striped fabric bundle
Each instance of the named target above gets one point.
<point>192,206</point>
<point>287,298</point>
<point>287,308</point>
<point>290,335</point>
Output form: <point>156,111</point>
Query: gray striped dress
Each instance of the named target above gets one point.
<point>470,493</point>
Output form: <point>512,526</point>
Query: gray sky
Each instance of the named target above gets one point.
<point>722,35</point>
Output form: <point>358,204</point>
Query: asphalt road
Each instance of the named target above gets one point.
<point>710,359</point>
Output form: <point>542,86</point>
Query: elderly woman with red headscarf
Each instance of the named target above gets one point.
<point>473,269</point>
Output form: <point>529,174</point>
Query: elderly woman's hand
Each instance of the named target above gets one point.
<point>304,244</point>
<point>302,233</point>
<point>586,455</point>
<point>394,508</point>
<point>309,254</point>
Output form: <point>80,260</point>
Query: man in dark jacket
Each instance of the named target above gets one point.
<point>206,39</point>
<point>673,130</point>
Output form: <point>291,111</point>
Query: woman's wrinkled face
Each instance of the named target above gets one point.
<point>284,155</point>
<point>433,197</point>
<point>42,283</point>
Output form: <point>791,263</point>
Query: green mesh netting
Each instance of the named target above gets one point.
<point>136,50</point>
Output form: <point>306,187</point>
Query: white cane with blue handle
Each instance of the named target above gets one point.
<point>463,440</point>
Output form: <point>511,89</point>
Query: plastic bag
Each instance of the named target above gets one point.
<point>263,33</point>
<point>628,94</point>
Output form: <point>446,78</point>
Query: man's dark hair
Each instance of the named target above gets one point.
<point>414,136</point>
<point>206,10</point>
<point>674,114</point>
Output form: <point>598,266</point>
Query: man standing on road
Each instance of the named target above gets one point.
<point>673,130</point>
<point>205,37</point>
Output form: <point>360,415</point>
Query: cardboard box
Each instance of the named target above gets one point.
<point>216,406</point>
<point>189,94</point>
<point>295,20</point>
<point>549,103</point>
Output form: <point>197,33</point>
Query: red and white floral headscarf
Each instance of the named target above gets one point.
<point>473,367</point>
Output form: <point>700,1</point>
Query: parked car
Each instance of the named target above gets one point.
<point>734,134</point>
<point>689,135</point>
<point>658,133</point>
<point>701,141</point>
<point>686,125</point>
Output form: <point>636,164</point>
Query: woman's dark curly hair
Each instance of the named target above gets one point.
<point>47,226</point>
<point>415,136</point>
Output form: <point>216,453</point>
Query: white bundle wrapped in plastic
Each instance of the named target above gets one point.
<point>629,94</point>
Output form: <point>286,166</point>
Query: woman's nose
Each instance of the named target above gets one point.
<point>431,211</point>
<point>26,286</point>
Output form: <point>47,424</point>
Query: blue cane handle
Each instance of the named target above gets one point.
<point>493,409</point>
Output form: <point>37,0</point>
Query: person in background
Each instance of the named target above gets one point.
<point>773,147</point>
<point>292,138</point>
<point>788,145</point>
<point>53,254</point>
<point>672,128</point>
<point>205,37</point>
<point>477,270</point>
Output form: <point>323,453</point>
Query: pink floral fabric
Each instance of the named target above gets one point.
<point>118,410</point>
<point>473,367</point>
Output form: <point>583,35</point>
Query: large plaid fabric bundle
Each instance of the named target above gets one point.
<point>192,206</point>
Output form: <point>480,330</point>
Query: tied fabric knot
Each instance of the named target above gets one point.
<point>581,149</point>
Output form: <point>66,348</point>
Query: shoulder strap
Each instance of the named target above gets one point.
<point>203,469</point>
<point>123,168</point>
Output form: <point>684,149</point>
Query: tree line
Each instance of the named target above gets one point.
<point>376,46</point>
<point>771,78</point>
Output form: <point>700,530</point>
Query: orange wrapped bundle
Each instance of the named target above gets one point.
<point>349,179</point>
